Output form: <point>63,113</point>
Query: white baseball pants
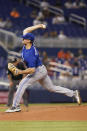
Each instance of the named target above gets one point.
<point>41,76</point>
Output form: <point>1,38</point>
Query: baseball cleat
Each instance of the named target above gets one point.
<point>77,97</point>
<point>13,109</point>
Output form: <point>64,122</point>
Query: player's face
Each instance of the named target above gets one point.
<point>26,41</point>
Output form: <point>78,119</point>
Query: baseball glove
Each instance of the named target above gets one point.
<point>13,69</point>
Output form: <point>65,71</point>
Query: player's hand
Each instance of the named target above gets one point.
<point>43,26</point>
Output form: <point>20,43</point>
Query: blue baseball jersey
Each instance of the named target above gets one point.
<point>31,57</point>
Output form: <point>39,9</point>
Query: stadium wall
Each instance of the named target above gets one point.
<point>43,96</point>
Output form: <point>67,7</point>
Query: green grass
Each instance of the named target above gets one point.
<point>2,110</point>
<point>43,126</point>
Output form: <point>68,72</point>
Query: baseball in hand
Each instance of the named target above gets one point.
<point>43,26</point>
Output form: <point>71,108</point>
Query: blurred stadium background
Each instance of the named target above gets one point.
<point>62,46</point>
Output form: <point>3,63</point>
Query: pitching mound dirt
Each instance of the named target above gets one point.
<point>47,113</point>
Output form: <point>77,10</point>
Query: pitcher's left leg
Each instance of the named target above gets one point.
<point>47,83</point>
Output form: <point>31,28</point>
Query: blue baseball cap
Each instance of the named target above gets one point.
<point>29,36</point>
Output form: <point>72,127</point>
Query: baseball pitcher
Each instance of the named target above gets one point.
<point>35,71</point>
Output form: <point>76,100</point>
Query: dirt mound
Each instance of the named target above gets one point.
<point>47,113</point>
